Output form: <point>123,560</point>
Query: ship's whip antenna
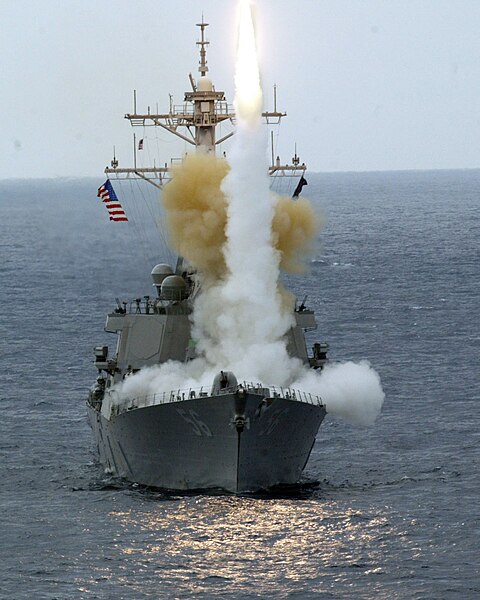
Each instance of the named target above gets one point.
<point>203,53</point>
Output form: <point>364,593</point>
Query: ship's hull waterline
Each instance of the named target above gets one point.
<point>208,443</point>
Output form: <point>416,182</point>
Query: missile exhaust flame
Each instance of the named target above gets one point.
<point>248,92</point>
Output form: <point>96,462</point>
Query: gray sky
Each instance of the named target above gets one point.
<point>367,84</point>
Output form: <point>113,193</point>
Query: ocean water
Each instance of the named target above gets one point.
<point>389,511</point>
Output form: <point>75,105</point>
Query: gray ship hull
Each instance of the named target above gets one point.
<point>224,442</point>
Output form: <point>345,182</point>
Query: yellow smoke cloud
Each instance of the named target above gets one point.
<point>196,212</point>
<point>294,227</point>
<point>196,216</point>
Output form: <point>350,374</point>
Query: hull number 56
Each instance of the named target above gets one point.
<point>199,427</point>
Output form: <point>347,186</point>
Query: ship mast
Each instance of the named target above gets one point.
<point>210,107</point>
<point>195,122</point>
<point>203,53</point>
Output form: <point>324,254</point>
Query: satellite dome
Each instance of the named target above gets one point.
<point>159,272</point>
<point>204,84</point>
<point>174,288</point>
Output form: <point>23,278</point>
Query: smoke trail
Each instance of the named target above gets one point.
<point>240,321</point>
<point>351,391</point>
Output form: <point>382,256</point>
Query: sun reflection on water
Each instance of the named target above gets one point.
<point>206,544</point>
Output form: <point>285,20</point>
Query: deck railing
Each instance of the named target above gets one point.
<point>182,395</point>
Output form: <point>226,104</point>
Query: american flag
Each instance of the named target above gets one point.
<point>107,194</point>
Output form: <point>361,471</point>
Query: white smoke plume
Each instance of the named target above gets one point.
<point>350,391</point>
<point>239,320</point>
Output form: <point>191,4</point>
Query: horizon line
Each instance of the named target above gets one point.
<point>308,172</point>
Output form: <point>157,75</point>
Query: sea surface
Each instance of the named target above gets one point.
<point>385,512</point>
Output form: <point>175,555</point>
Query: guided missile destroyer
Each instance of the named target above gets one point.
<point>236,436</point>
